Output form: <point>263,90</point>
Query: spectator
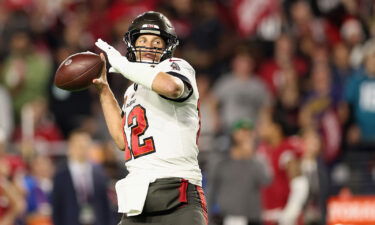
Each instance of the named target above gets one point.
<point>284,198</point>
<point>106,154</point>
<point>359,93</point>
<point>288,102</point>
<point>320,111</point>
<point>241,94</point>
<point>79,194</point>
<point>25,71</point>
<point>284,58</point>
<point>314,168</point>
<point>238,178</point>
<point>38,187</point>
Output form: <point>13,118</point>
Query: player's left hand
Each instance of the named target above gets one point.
<point>108,49</point>
<point>115,58</point>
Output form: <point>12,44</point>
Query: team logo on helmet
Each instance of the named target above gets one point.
<point>150,26</point>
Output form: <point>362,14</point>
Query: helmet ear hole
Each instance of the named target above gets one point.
<point>151,23</point>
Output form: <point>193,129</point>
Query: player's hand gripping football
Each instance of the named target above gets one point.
<point>116,60</point>
<point>101,82</point>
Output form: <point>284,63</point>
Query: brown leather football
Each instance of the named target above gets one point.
<point>77,71</point>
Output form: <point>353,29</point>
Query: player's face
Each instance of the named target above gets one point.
<point>149,48</point>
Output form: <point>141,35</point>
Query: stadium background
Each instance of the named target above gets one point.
<point>302,52</point>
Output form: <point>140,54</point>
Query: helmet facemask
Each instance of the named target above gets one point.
<point>150,23</point>
<point>160,53</point>
<point>156,52</point>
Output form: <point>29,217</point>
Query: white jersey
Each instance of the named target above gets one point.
<point>160,133</point>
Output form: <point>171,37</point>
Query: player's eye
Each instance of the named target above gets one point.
<point>141,41</point>
<point>157,43</point>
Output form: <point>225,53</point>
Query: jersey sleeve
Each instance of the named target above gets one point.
<point>183,70</point>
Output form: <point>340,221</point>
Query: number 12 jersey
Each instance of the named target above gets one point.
<point>161,134</point>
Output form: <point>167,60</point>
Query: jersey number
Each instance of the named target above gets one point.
<point>138,123</point>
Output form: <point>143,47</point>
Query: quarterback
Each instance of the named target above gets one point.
<point>157,126</point>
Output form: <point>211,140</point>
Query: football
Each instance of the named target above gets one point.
<point>77,71</point>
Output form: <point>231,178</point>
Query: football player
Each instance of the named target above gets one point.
<point>157,126</point>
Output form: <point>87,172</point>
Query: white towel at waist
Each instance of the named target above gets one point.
<point>131,194</point>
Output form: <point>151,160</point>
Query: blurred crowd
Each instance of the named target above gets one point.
<point>287,103</point>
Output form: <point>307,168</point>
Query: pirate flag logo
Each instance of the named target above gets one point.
<point>175,66</point>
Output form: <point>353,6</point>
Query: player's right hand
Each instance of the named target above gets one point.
<point>102,81</point>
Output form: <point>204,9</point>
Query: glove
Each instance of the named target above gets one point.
<point>109,50</point>
<point>116,60</point>
<point>137,72</point>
